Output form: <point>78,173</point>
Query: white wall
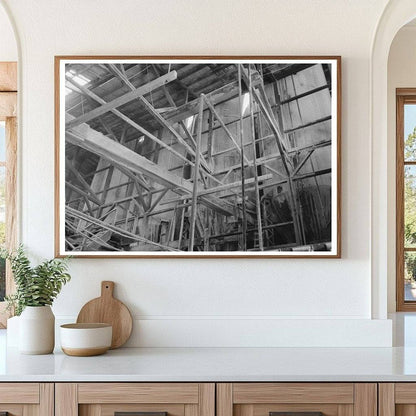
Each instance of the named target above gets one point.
<point>401,74</point>
<point>8,47</point>
<point>183,300</point>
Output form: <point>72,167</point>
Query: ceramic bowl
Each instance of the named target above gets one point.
<point>84,340</point>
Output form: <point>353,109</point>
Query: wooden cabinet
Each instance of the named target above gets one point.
<point>208,399</point>
<point>397,399</point>
<point>106,399</point>
<point>27,399</point>
<point>299,399</point>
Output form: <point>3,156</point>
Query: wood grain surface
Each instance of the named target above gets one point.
<point>107,309</point>
<point>110,393</point>
<point>8,76</point>
<point>252,393</point>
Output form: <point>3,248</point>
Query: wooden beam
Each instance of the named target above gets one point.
<point>196,175</point>
<point>237,184</point>
<point>256,178</point>
<point>225,93</point>
<point>89,235</point>
<point>226,187</point>
<point>302,163</point>
<point>131,122</point>
<point>305,94</point>
<point>149,107</point>
<point>227,132</point>
<point>264,105</point>
<point>165,124</point>
<point>8,76</point>
<point>290,69</point>
<point>124,99</point>
<point>116,230</point>
<point>311,123</point>
<point>89,139</point>
<point>90,94</point>
<point>140,197</point>
<point>125,199</point>
<point>173,104</point>
<point>276,156</point>
<point>259,161</point>
<point>85,194</point>
<point>97,143</point>
<point>82,181</point>
<point>262,100</point>
<point>179,138</point>
<point>158,199</point>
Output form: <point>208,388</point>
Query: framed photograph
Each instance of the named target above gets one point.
<point>198,156</point>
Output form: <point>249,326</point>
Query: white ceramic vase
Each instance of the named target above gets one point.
<point>37,330</point>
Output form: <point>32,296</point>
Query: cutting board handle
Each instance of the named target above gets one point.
<point>107,289</point>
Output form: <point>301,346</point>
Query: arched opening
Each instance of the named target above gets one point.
<point>401,93</point>
<point>8,148</point>
<point>396,15</point>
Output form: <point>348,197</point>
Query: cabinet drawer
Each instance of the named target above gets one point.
<point>138,393</point>
<point>152,399</point>
<point>19,393</point>
<point>22,399</point>
<point>397,399</point>
<point>297,399</point>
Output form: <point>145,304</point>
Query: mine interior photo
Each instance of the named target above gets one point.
<point>198,157</point>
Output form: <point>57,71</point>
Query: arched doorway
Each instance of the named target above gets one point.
<point>396,14</point>
<point>8,148</point>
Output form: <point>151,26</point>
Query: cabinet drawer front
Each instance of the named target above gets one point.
<point>405,393</point>
<point>295,409</point>
<point>138,393</point>
<point>111,409</point>
<point>27,393</point>
<point>292,399</point>
<point>252,393</point>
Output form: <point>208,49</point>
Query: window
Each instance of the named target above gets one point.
<point>8,165</point>
<point>2,206</point>
<point>406,200</point>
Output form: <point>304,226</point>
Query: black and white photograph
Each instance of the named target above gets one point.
<point>220,157</point>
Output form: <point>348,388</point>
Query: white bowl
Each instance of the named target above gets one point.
<point>83,340</point>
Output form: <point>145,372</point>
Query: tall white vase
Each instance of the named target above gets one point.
<point>37,330</point>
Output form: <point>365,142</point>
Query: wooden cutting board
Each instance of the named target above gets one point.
<point>107,309</point>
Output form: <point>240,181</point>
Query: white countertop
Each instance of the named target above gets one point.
<point>222,364</point>
<point>213,364</point>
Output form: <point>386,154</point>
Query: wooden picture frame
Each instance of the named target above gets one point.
<point>153,119</point>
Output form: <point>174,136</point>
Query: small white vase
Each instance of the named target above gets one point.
<point>37,330</point>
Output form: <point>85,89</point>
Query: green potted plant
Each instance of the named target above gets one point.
<point>36,289</point>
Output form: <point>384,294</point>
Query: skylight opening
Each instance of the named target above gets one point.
<point>78,79</point>
<point>246,102</point>
<point>189,121</point>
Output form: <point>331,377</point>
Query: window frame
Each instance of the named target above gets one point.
<point>403,96</point>
<point>8,110</point>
